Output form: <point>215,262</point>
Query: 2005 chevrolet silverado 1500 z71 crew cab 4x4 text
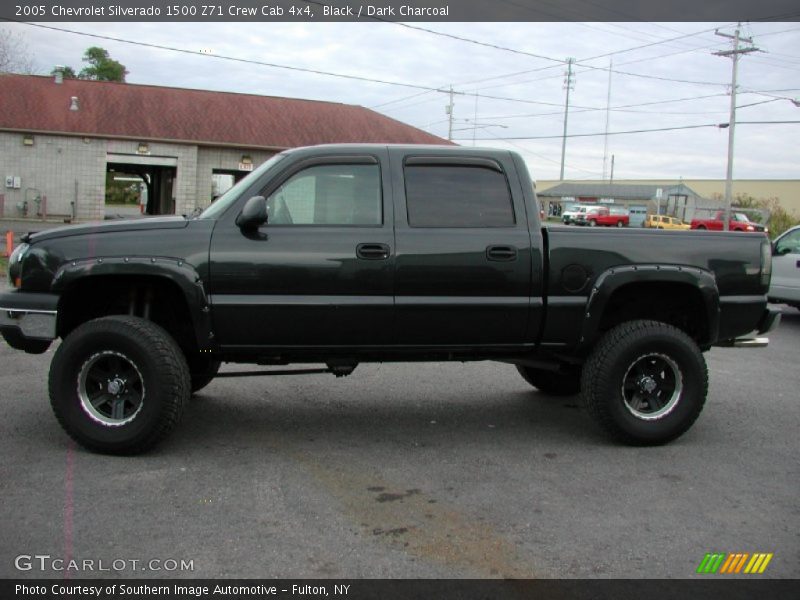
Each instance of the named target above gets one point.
<point>352,253</point>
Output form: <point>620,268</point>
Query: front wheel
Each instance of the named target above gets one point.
<point>620,224</point>
<point>645,382</point>
<point>592,223</point>
<point>118,384</point>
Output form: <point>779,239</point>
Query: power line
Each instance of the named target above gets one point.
<point>232,58</point>
<point>622,51</point>
<point>280,66</point>
<point>453,36</point>
<point>562,62</point>
<point>716,125</point>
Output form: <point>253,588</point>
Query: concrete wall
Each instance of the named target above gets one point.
<point>52,167</point>
<point>55,165</point>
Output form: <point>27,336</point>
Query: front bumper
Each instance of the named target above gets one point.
<point>29,315</point>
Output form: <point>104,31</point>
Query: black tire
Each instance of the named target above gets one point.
<point>118,384</point>
<point>620,224</point>
<point>554,383</point>
<point>202,371</point>
<point>645,382</point>
<point>592,223</point>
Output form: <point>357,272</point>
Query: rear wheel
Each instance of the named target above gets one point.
<point>118,384</point>
<point>645,382</point>
<point>554,383</point>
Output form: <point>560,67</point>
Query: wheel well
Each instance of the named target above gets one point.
<point>154,298</point>
<point>678,304</point>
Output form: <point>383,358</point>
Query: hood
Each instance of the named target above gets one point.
<point>100,227</point>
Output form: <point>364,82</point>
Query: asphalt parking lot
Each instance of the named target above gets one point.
<point>409,470</point>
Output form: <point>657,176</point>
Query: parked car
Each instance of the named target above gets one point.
<point>600,215</point>
<point>568,216</point>
<point>665,222</point>
<point>739,222</point>
<point>785,285</point>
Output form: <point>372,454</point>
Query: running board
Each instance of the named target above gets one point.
<point>339,371</point>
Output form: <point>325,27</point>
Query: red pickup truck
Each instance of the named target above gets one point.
<point>738,222</point>
<point>601,215</point>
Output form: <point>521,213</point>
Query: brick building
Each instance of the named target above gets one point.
<point>60,141</point>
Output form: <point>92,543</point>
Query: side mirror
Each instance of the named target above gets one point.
<point>254,213</point>
<point>781,250</point>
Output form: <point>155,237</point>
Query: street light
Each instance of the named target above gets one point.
<point>476,126</point>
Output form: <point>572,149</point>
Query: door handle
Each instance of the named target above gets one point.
<point>501,253</point>
<point>373,251</point>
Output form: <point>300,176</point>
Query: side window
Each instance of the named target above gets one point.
<point>789,244</point>
<point>457,196</point>
<point>328,195</point>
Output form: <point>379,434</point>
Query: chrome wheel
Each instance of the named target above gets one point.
<point>111,388</point>
<point>652,386</point>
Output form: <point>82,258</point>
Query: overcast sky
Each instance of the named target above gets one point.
<point>533,86</point>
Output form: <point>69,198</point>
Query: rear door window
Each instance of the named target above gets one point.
<point>447,195</point>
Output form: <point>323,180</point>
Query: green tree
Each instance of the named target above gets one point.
<point>69,73</point>
<point>101,66</point>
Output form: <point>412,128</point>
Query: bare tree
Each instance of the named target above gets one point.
<point>14,54</point>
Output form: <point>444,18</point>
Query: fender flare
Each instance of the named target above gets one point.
<point>175,270</point>
<point>614,278</point>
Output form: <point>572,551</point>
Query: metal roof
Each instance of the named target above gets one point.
<point>31,103</point>
<point>614,190</point>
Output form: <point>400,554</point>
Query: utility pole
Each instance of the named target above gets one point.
<point>734,54</point>
<point>612,169</point>
<point>449,111</point>
<point>475,119</point>
<point>608,120</point>
<point>568,85</point>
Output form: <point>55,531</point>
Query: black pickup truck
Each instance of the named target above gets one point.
<point>344,254</point>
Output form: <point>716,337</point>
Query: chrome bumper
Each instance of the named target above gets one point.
<point>31,315</point>
<point>768,322</point>
<point>33,324</point>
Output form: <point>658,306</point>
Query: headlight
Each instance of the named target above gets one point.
<point>15,264</point>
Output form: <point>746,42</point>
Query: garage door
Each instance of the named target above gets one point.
<point>637,215</point>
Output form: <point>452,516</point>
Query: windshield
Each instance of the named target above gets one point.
<point>740,217</point>
<point>221,204</point>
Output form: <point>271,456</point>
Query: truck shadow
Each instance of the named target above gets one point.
<point>217,417</point>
